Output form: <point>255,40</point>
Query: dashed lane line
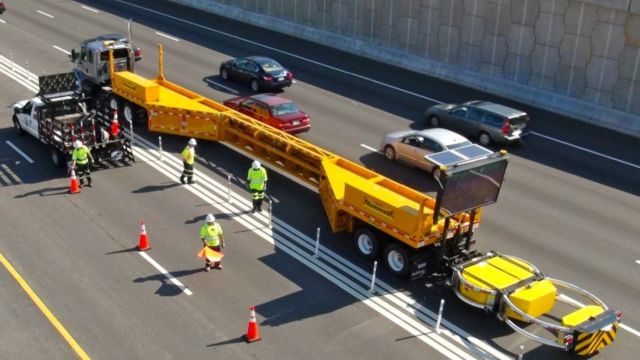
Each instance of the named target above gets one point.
<point>44,309</point>
<point>45,14</point>
<point>167,36</point>
<point>61,49</point>
<point>25,156</point>
<point>164,272</point>
<point>90,9</point>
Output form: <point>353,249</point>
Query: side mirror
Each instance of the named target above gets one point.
<point>73,55</point>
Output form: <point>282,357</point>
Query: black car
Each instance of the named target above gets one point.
<point>258,71</point>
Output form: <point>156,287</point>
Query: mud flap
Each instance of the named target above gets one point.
<point>418,267</point>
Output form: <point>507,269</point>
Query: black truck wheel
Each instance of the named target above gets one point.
<point>396,258</point>
<point>367,243</point>
<point>57,157</point>
<point>17,126</point>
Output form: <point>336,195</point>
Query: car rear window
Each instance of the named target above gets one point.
<point>270,66</point>
<point>283,109</point>
<point>519,120</point>
<point>459,145</point>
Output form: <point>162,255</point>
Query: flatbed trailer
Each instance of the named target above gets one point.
<point>416,234</point>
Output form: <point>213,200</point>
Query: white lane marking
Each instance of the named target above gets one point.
<point>19,80</point>
<point>25,156</point>
<point>19,70</point>
<point>579,304</point>
<point>220,85</point>
<point>61,49</point>
<point>349,73</point>
<point>167,36</point>
<point>164,272</point>
<point>90,9</point>
<point>371,148</point>
<point>587,150</point>
<point>45,14</point>
<point>638,262</point>
<point>2,21</point>
<point>171,168</point>
<point>10,174</point>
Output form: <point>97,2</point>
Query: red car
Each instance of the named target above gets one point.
<point>2,8</point>
<point>272,110</point>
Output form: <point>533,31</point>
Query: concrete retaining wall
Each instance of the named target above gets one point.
<point>577,57</point>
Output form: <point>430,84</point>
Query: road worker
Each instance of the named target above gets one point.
<point>257,179</point>
<point>212,237</point>
<point>188,158</point>
<point>80,160</point>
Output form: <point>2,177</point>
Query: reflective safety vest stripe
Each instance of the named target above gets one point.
<point>257,178</point>
<point>189,155</point>
<point>80,155</point>
<point>211,234</point>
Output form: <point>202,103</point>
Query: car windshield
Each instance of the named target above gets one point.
<point>458,145</point>
<point>270,66</point>
<point>284,109</point>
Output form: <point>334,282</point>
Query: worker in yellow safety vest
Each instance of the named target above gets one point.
<point>257,179</point>
<point>80,161</point>
<point>213,238</point>
<point>188,158</point>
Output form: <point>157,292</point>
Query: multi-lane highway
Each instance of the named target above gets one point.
<point>570,205</point>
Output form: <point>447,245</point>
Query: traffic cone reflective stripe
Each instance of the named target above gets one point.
<point>143,241</point>
<point>73,186</point>
<point>252,331</point>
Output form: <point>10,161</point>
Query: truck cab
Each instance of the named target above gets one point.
<point>25,116</point>
<point>91,61</point>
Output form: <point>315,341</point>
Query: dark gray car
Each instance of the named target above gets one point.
<point>489,122</point>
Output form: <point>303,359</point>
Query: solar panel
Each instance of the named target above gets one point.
<point>445,158</point>
<point>473,151</point>
<point>463,154</point>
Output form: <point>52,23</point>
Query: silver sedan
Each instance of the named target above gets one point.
<point>411,146</point>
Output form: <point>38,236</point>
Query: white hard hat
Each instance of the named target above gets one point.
<point>255,164</point>
<point>210,218</point>
<point>77,144</point>
<point>192,142</point>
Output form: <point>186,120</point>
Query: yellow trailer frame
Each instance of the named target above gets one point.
<point>349,192</point>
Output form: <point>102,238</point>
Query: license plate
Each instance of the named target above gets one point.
<point>281,78</point>
<point>296,122</point>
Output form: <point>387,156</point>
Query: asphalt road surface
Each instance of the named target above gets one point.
<point>570,205</point>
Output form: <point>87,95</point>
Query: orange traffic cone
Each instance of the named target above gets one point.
<point>143,241</point>
<point>252,331</point>
<point>73,186</point>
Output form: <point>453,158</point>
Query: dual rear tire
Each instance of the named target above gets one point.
<point>369,244</point>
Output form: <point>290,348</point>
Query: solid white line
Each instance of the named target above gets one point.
<point>45,14</point>
<point>220,85</point>
<point>167,36</point>
<point>587,150</point>
<point>25,156</point>
<point>371,148</point>
<point>61,49</point>
<point>11,174</point>
<point>22,82</point>
<point>349,73</point>
<point>164,272</point>
<point>90,9</point>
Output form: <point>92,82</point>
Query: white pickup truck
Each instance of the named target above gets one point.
<point>52,120</point>
<point>58,116</point>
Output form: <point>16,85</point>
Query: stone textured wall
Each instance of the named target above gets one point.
<point>578,53</point>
